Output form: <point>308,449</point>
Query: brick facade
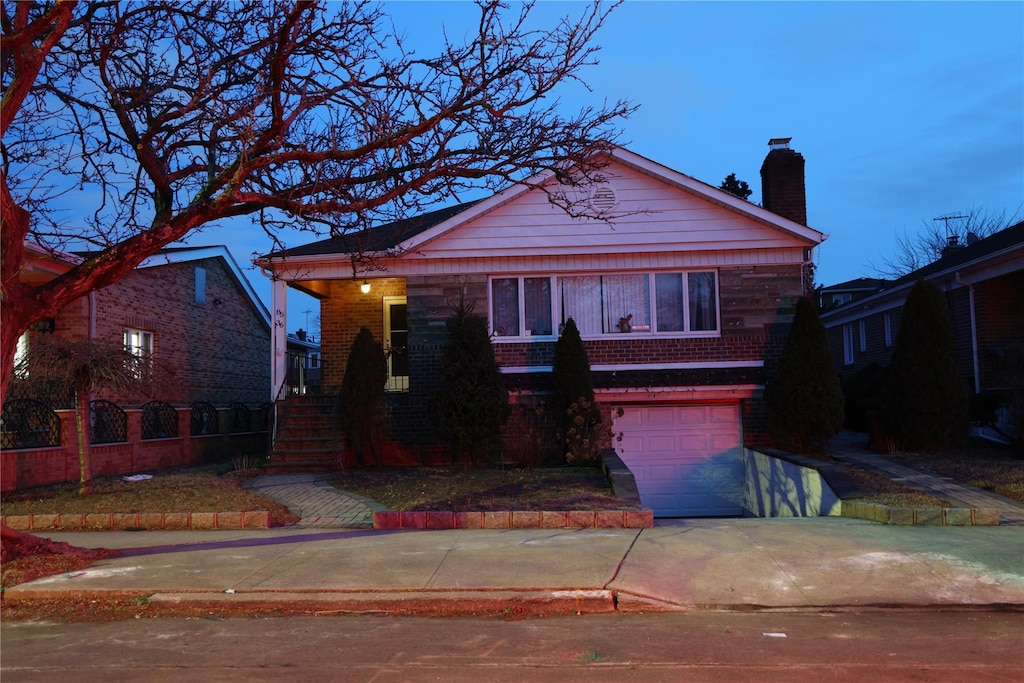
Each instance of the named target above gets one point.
<point>215,351</point>
<point>757,304</point>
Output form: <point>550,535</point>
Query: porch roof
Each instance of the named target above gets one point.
<point>377,239</point>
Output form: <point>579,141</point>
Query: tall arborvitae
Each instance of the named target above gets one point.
<point>925,402</point>
<point>362,398</point>
<point>572,405</point>
<point>471,405</point>
<point>805,399</point>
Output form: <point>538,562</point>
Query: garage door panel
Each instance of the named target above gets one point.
<point>661,444</point>
<point>688,466</point>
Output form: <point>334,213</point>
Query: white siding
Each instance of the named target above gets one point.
<point>652,217</point>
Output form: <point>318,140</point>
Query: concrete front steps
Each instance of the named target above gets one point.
<point>308,438</point>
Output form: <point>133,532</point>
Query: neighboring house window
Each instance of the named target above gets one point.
<point>887,324</point>
<point>636,303</point>
<point>863,336</point>
<point>200,285</point>
<point>21,372</point>
<point>139,343</point>
<point>396,339</point>
<point>841,298</point>
<point>848,344</point>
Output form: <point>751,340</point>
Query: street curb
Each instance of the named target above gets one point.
<point>515,519</point>
<point>139,521</point>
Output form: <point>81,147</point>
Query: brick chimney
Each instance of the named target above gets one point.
<point>782,181</point>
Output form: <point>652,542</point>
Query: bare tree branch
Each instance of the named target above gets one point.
<point>918,250</point>
<point>166,117</point>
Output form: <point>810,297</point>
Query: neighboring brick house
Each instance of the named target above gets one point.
<point>682,299</point>
<point>193,310</point>
<point>984,287</point>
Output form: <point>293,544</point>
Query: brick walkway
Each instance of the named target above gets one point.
<point>319,504</point>
<point>851,447</point>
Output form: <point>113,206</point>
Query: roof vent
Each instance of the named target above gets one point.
<point>602,198</point>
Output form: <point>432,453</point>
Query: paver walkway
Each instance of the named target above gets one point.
<point>851,447</point>
<point>318,503</point>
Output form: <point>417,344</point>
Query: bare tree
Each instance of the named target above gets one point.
<point>161,118</point>
<point>916,251</point>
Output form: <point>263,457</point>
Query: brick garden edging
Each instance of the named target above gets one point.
<point>901,516</point>
<point>516,519</point>
<point>140,521</point>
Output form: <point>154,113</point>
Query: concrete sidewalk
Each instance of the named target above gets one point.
<point>820,563</point>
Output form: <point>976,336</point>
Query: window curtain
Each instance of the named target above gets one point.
<point>505,302</point>
<point>703,313</point>
<point>537,304</point>
<point>581,301</point>
<point>627,303</point>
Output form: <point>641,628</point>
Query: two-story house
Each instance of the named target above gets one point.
<point>682,293</point>
<point>984,286</point>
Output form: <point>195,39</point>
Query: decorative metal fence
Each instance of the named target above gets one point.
<point>109,423</point>
<point>204,420</point>
<point>239,418</point>
<point>266,416</point>
<point>26,423</point>
<point>159,421</point>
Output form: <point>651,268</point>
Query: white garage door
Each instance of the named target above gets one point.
<point>686,458</point>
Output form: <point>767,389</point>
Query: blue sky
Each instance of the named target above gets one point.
<point>903,111</point>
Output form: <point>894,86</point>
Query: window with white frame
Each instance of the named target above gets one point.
<point>887,324</point>
<point>848,344</point>
<point>863,334</point>
<point>521,306</point>
<point>676,303</point>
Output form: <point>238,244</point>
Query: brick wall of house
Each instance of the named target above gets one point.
<point>757,305</point>
<point>999,309</point>
<point>343,313</point>
<point>215,351</point>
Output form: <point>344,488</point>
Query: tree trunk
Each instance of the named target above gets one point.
<point>84,446</point>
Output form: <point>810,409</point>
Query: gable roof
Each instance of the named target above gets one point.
<point>411,234</point>
<point>860,284</point>
<point>1006,238</point>
<point>381,238</point>
<point>988,249</point>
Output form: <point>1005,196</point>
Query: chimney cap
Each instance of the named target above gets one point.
<point>779,143</point>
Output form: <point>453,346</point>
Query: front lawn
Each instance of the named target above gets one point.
<point>459,490</point>
<point>986,466</point>
<point>178,491</point>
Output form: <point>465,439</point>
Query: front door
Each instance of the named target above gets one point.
<point>396,342</point>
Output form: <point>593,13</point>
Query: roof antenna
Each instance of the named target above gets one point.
<point>950,239</point>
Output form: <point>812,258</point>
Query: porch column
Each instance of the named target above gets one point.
<point>278,338</point>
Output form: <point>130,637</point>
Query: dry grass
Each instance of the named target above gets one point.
<point>985,466</point>
<point>181,491</point>
<point>879,489</point>
<point>447,488</point>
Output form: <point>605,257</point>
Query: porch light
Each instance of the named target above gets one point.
<point>365,287</point>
